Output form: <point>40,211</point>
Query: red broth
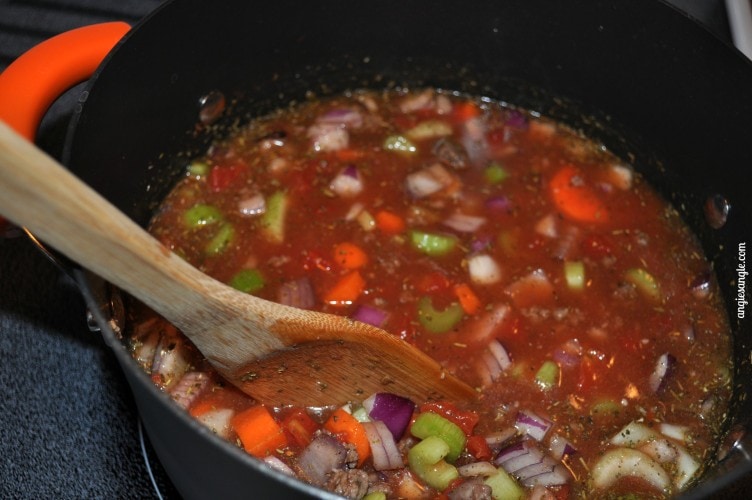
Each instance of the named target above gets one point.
<point>527,259</point>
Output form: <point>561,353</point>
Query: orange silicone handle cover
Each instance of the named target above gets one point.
<point>42,74</point>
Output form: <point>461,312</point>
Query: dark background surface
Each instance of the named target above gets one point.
<point>68,423</point>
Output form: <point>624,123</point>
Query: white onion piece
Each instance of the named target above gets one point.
<point>500,354</point>
<point>477,469</point>
<point>496,439</point>
<point>347,183</point>
<point>547,473</point>
<point>346,117</point>
<point>218,421</point>
<point>464,223</point>
<point>354,211</point>
<point>170,361</point>
<point>560,447</point>
<point>428,181</point>
<point>620,177</point>
<point>634,434</point>
<point>386,455</point>
<point>686,468</point>
<point>278,465</point>
<point>483,269</point>
<point>660,450</point>
<point>328,137</point>
<point>626,462</point>
<point>188,388</point>
<point>674,431</point>
<point>546,226</point>
<point>297,293</point>
<point>531,424</point>
<point>532,289</point>
<point>253,205</point>
<point>519,456</point>
<point>664,367</point>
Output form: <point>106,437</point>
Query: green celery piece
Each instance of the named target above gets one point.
<point>433,244</point>
<point>399,144</point>
<point>644,281</point>
<point>574,273</point>
<point>504,487</point>
<point>436,321</point>
<point>548,375</point>
<point>198,168</point>
<point>375,495</point>
<point>273,220</point>
<point>201,215</point>
<point>248,281</point>
<point>495,173</point>
<point>431,424</point>
<point>221,240</point>
<point>426,459</point>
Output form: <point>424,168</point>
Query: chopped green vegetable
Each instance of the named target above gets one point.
<point>433,244</point>
<point>399,144</point>
<point>221,240</point>
<point>504,487</point>
<point>644,281</point>
<point>432,424</point>
<point>605,407</point>
<point>574,273</point>
<point>198,168</point>
<point>548,375</point>
<point>495,173</point>
<point>426,459</point>
<point>201,215</point>
<point>438,321</point>
<point>248,281</point>
<point>375,495</point>
<point>429,129</point>
<point>360,414</point>
<point>273,220</point>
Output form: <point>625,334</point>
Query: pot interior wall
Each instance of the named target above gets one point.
<point>654,87</point>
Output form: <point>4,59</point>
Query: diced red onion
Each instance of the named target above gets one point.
<point>500,354</point>
<point>253,205</point>
<point>569,354</point>
<point>531,424</point>
<point>348,182</point>
<point>519,456</point>
<point>464,223</point>
<point>170,361</point>
<point>278,465</point>
<point>532,289</point>
<point>328,137</point>
<point>664,367</point>
<point>517,119</point>
<point>555,474</point>
<point>297,293</point>
<point>568,242</point>
<point>513,451</point>
<point>415,102</point>
<point>480,244</point>
<point>428,181</point>
<point>700,285</point>
<point>497,439</point>
<point>218,421</point>
<point>474,140</point>
<point>395,411</point>
<point>526,461</point>
<point>483,269</point>
<point>384,451</point>
<point>561,447</point>
<point>188,388</point>
<point>371,315</point>
<point>499,204</point>
<point>343,116</point>
<point>546,226</point>
<point>323,455</point>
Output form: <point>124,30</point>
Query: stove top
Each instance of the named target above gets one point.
<point>69,427</point>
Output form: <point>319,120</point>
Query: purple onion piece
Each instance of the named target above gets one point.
<point>499,204</point>
<point>557,475</point>
<point>342,116</point>
<point>395,411</point>
<point>531,424</point>
<point>386,455</point>
<point>371,315</point>
<point>519,460</point>
<point>323,455</point>
<point>348,182</point>
<point>188,388</point>
<point>517,119</point>
<point>664,368</point>
<point>297,293</point>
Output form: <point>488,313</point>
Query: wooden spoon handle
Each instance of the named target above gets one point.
<point>41,195</point>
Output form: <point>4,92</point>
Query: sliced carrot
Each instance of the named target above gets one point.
<point>299,427</point>
<point>348,154</point>
<point>257,430</point>
<point>464,111</point>
<point>574,199</point>
<point>349,255</point>
<point>389,222</point>
<point>349,430</point>
<point>468,300</point>
<point>346,290</point>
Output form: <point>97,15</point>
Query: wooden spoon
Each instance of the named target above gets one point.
<point>278,354</point>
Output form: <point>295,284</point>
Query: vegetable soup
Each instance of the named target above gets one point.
<point>525,258</point>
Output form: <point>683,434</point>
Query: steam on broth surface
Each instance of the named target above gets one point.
<point>525,258</point>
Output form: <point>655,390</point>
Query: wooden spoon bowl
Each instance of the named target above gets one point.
<point>279,355</point>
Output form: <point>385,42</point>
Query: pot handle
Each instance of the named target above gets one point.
<point>30,85</point>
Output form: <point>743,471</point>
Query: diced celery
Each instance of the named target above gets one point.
<point>429,129</point>
<point>273,220</point>
<point>426,459</point>
<point>201,215</point>
<point>248,281</point>
<point>438,321</point>
<point>399,144</point>
<point>644,281</point>
<point>604,408</point>
<point>375,495</point>
<point>360,414</point>
<point>504,487</point>
<point>433,244</point>
<point>221,240</point>
<point>431,424</point>
<point>574,273</point>
<point>495,173</point>
<point>198,168</point>
<point>548,375</point>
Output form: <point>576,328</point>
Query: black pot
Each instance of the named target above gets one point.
<point>650,84</point>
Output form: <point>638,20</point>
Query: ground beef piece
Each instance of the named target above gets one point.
<point>350,483</point>
<point>473,489</point>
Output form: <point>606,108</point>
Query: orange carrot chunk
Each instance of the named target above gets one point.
<point>468,300</point>
<point>259,433</point>
<point>574,199</point>
<point>346,290</point>
<point>349,255</point>
<point>349,430</point>
<point>389,222</point>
